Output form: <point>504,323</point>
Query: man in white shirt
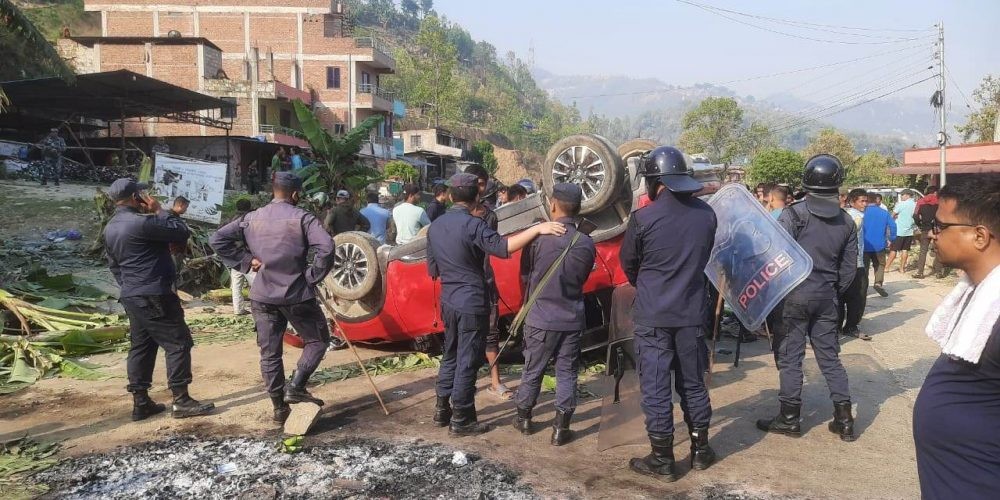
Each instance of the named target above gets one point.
<point>409,217</point>
<point>903,212</point>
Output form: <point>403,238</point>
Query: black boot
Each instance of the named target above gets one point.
<point>660,461</point>
<point>186,406</point>
<point>143,407</point>
<point>787,421</point>
<point>295,391</point>
<point>702,455</point>
<point>465,423</point>
<point>560,428</point>
<point>843,421</point>
<point>522,422</point>
<point>281,409</point>
<point>442,411</point>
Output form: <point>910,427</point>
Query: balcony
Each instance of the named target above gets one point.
<point>283,135</point>
<point>379,147</point>
<point>381,53</point>
<point>242,89</point>
<point>380,99</point>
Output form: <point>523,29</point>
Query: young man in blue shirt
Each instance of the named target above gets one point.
<point>877,225</point>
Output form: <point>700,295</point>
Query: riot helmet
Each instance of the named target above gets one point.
<point>823,172</point>
<point>666,165</point>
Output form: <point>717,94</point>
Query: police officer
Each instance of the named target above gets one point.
<point>278,238</point>
<point>137,240</point>
<point>828,234</point>
<point>556,320</point>
<point>664,254</point>
<point>52,149</point>
<point>457,249</point>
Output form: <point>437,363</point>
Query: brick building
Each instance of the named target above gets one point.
<point>260,54</point>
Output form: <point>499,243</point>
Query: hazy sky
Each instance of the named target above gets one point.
<point>683,44</point>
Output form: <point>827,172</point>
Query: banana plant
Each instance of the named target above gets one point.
<point>337,164</point>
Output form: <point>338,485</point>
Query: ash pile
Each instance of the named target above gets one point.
<point>357,468</point>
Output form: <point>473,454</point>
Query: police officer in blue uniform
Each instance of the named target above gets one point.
<point>556,320</point>
<point>137,239</point>
<point>275,241</point>
<point>457,248</point>
<point>828,234</point>
<point>664,254</point>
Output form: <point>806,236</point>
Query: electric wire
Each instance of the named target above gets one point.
<point>968,103</point>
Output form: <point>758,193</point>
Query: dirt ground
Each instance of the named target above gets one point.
<point>885,376</point>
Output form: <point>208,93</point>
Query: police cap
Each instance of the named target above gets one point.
<point>288,180</point>
<point>570,193</point>
<point>463,179</point>
<point>123,189</point>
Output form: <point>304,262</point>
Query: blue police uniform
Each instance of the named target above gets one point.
<point>139,257</point>
<point>281,236</point>
<point>556,320</point>
<point>457,250</point>
<point>664,254</point>
<point>811,308</point>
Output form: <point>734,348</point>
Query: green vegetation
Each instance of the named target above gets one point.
<point>337,164</point>
<point>21,458</point>
<point>981,124</point>
<point>776,165</point>
<point>482,153</point>
<point>399,169</point>
<point>26,51</point>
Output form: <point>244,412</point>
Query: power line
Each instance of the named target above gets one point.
<point>805,23</point>
<point>968,104</point>
<point>712,10</point>
<point>852,106</point>
<point>861,79</point>
<point>829,73</point>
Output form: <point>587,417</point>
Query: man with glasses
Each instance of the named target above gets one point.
<point>956,417</point>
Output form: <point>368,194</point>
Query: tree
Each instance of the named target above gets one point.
<point>399,169</point>
<point>713,128</point>
<point>337,164</point>
<point>871,168</point>
<point>435,80</point>
<point>482,153</point>
<point>410,7</point>
<point>832,142</point>
<point>426,6</point>
<point>982,125</point>
<point>782,166</point>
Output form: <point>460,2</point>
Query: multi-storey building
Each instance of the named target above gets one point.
<point>261,54</point>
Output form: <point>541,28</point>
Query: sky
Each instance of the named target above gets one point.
<point>683,44</point>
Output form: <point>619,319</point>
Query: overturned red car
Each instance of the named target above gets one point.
<point>382,293</point>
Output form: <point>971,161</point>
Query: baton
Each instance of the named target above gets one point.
<point>715,336</point>
<point>333,314</point>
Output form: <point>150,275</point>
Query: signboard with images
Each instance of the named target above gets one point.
<point>755,263</point>
<point>202,183</point>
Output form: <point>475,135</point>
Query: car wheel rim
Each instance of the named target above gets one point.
<point>350,266</point>
<point>582,166</point>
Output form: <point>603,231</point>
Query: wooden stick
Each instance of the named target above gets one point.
<point>354,351</point>
<point>715,337</point>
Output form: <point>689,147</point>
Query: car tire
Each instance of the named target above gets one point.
<point>355,272</point>
<point>589,161</point>
<point>635,147</point>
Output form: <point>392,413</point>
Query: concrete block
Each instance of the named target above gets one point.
<point>303,416</point>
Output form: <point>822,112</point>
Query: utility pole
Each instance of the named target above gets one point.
<point>942,134</point>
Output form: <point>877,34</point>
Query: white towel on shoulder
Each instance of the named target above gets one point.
<point>963,334</point>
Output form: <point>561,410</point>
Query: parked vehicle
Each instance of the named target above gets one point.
<point>384,294</point>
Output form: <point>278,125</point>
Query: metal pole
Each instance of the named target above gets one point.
<point>943,136</point>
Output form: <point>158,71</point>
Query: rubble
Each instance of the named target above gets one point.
<point>190,467</point>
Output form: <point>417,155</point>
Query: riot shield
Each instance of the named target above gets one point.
<point>755,263</point>
<point>622,420</point>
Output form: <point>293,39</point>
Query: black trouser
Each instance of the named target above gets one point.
<point>925,246</point>
<point>157,321</point>
<point>876,260</point>
<point>540,347</point>
<point>309,322</point>
<point>852,305</point>
<point>816,318</point>
<point>464,352</point>
<point>658,351</point>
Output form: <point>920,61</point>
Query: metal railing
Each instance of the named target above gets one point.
<point>278,129</point>
<point>370,88</point>
<point>370,42</point>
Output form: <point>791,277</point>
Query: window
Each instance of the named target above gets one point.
<point>338,128</point>
<point>263,114</point>
<point>366,79</point>
<point>332,77</point>
<point>285,120</point>
<point>414,141</point>
<point>229,112</point>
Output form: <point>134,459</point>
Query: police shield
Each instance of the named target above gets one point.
<point>755,262</point>
<point>622,420</point>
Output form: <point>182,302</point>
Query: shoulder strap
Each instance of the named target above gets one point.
<point>551,271</point>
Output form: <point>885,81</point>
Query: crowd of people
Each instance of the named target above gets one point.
<point>287,251</point>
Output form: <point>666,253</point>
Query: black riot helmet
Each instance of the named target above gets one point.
<point>666,165</point>
<point>823,173</point>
